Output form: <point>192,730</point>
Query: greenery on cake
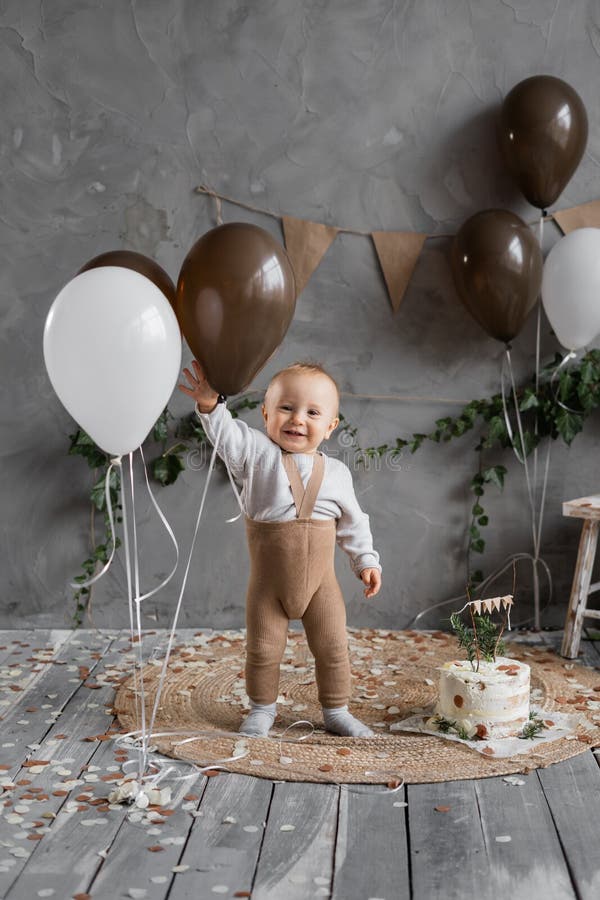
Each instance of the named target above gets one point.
<point>533,728</point>
<point>483,640</point>
<point>446,726</point>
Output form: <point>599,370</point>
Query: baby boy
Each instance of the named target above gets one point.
<point>298,503</point>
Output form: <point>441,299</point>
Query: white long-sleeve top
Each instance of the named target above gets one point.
<point>255,460</point>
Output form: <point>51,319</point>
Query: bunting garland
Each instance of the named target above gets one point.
<point>586,215</point>
<point>306,244</point>
<point>398,252</point>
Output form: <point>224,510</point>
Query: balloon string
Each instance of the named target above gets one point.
<point>523,457</point>
<point>138,609</point>
<point>185,577</point>
<point>115,463</point>
<point>128,569</point>
<point>164,765</point>
<point>556,388</point>
<point>168,529</point>
<point>238,496</point>
<point>491,578</point>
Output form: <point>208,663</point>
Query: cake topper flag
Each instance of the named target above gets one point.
<point>489,605</point>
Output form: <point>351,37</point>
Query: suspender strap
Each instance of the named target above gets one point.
<point>304,498</point>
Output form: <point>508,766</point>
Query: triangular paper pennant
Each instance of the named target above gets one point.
<point>306,243</point>
<point>487,605</point>
<point>507,601</point>
<point>476,604</point>
<point>496,603</point>
<point>398,252</point>
<point>587,215</point>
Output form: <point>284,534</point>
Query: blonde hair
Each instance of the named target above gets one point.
<point>305,368</point>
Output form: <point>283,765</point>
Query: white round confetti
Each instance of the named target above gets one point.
<point>181,868</point>
<point>286,760</point>
<point>45,892</point>
<point>250,828</point>
<point>220,888</point>
<point>288,828</point>
<point>159,879</point>
<point>503,838</point>
<point>400,803</point>
<point>137,893</point>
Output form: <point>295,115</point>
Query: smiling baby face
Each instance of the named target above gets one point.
<point>300,409</point>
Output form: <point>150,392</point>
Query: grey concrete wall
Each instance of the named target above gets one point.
<point>371,115</point>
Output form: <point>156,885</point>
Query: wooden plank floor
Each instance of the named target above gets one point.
<point>237,836</point>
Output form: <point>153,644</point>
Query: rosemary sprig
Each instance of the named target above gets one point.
<point>533,728</point>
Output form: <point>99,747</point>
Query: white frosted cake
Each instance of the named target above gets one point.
<point>490,703</point>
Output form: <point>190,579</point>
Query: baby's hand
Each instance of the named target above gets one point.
<point>372,578</point>
<point>199,389</point>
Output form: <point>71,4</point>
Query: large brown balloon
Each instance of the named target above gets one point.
<point>128,259</point>
<point>235,300</point>
<point>543,131</point>
<point>497,269</point>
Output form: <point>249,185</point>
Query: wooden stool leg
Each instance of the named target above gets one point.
<point>580,588</point>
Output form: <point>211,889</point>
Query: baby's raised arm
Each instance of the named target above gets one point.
<point>237,441</point>
<point>199,389</point>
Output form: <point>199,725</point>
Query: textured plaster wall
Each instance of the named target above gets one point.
<point>371,115</point>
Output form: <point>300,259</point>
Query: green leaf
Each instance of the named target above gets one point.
<point>474,532</point>
<point>160,432</point>
<point>97,494</point>
<point>495,475</point>
<point>568,425</point>
<point>477,510</point>
<point>166,469</point>
<point>497,431</point>
<point>83,445</point>
<point>416,442</point>
<point>483,520</point>
<point>529,401</point>
<point>477,546</point>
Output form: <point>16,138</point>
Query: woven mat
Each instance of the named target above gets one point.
<point>393,673</point>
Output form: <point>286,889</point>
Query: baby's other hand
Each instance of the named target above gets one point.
<point>372,578</point>
<point>199,389</point>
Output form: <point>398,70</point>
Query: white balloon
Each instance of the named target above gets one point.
<point>571,287</point>
<point>112,348</point>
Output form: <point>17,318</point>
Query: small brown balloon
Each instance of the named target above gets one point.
<point>497,268</point>
<point>236,297</point>
<point>137,262</point>
<point>542,133</point>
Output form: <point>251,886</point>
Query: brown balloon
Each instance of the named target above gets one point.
<point>236,297</point>
<point>497,268</point>
<point>137,262</point>
<point>542,132</point>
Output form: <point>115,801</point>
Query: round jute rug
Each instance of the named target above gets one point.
<point>393,673</point>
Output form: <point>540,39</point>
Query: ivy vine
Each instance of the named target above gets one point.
<point>552,407</point>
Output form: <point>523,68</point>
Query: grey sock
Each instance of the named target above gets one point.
<point>339,721</point>
<point>259,720</point>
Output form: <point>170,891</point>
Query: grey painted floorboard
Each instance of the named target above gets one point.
<point>225,841</point>
<point>447,847</point>
<point>371,846</point>
<point>572,790</point>
<point>529,865</point>
<point>296,864</point>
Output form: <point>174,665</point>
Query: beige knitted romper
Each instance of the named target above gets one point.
<point>292,577</point>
